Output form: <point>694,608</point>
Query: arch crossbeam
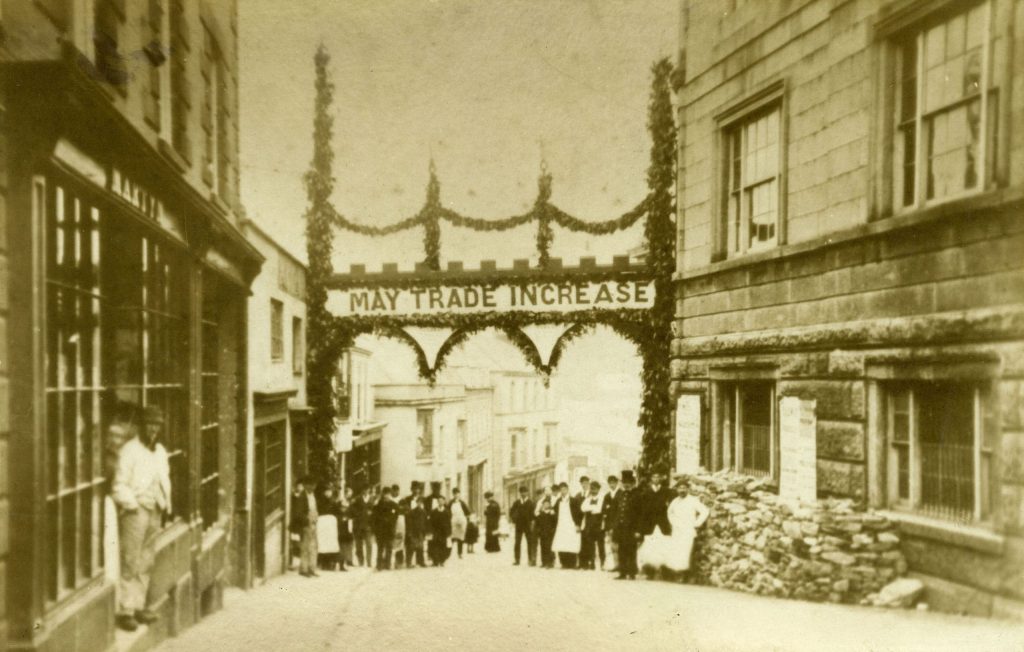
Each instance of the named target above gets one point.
<point>540,310</point>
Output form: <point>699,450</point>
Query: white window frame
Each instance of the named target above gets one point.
<point>732,428</point>
<point>923,118</point>
<point>982,456</point>
<point>425,440</point>
<point>728,241</point>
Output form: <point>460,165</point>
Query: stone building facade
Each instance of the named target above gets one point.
<point>277,408</point>
<point>850,233</point>
<point>122,228</point>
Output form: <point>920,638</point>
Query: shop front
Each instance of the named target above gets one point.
<point>131,291</point>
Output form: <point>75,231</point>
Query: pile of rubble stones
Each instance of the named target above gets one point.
<point>756,542</point>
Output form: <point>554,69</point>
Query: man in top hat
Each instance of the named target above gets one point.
<point>385,520</point>
<point>304,518</point>
<point>142,492</point>
<point>625,527</point>
<point>576,503</point>
<point>612,500</point>
<point>415,525</point>
<point>521,515</point>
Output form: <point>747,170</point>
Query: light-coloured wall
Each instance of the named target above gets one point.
<point>397,405</point>
<point>521,402</point>
<point>270,376</point>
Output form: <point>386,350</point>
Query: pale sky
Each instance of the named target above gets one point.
<point>484,88</point>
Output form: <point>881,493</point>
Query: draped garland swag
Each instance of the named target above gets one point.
<point>649,330</point>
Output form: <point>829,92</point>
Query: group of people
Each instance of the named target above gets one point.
<point>650,527</point>
<point>379,528</point>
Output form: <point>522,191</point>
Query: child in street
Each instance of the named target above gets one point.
<point>472,533</point>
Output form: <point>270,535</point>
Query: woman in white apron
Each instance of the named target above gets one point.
<point>567,530</point>
<point>686,513</point>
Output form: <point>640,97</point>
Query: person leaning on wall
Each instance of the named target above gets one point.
<point>142,492</point>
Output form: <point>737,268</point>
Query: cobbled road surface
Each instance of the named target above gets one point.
<point>482,603</point>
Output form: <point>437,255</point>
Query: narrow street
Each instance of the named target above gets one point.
<point>483,602</point>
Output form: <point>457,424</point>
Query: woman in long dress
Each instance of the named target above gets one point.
<point>440,531</point>
<point>686,513</point>
<point>567,530</point>
<point>492,519</point>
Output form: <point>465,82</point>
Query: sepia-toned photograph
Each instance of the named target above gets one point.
<point>511,325</point>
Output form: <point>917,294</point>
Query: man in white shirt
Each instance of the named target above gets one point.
<point>142,492</point>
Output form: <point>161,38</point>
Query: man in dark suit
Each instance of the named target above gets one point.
<point>385,517</point>
<point>415,525</point>
<point>522,517</point>
<point>303,521</point>
<point>611,508</point>
<point>593,527</point>
<point>626,526</point>
<point>362,527</point>
<point>654,510</point>
<point>576,503</point>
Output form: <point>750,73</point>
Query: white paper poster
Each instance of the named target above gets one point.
<point>798,463</point>
<point>343,438</point>
<point>688,433</point>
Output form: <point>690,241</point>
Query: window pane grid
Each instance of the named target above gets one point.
<point>944,122</point>
<point>938,467</point>
<point>752,174</point>
<point>425,431</point>
<point>210,410</point>
<point>74,475</point>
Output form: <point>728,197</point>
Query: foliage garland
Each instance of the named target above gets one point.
<point>659,231</point>
<point>323,338</point>
<point>649,330</point>
<point>543,212</point>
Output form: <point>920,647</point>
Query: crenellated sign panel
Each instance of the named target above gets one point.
<point>513,296</point>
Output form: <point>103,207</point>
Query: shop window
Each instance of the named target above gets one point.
<point>298,350</point>
<point>276,330</point>
<point>424,433</point>
<point>752,176</point>
<point>749,434</point>
<point>115,332</point>
<point>210,417</point>
<point>940,450</point>
<point>945,123</point>
<point>74,386</point>
<point>110,63</point>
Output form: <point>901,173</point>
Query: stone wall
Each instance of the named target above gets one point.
<point>828,551</point>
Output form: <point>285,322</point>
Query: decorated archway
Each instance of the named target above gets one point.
<point>539,307</point>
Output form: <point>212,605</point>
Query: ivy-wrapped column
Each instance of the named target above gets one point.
<point>545,234</point>
<point>321,349</point>
<point>659,234</point>
<point>432,222</point>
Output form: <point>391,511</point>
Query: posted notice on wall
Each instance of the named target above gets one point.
<point>688,433</point>
<point>798,452</point>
